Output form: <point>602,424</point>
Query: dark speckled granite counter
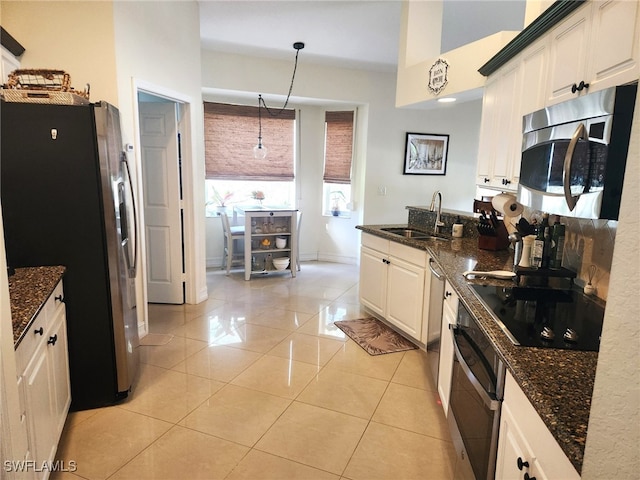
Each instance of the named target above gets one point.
<point>29,289</point>
<point>559,383</point>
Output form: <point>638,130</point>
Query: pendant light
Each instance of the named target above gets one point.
<point>260,151</point>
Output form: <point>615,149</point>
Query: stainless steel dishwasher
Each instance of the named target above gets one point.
<point>435,318</point>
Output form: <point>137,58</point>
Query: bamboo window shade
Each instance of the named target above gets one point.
<point>338,147</point>
<point>231,132</point>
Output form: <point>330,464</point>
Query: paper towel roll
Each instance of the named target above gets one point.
<point>507,205</point>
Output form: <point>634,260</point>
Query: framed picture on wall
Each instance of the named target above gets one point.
<point>426,154</point>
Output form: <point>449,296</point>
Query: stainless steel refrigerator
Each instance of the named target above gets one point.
<point>67,200</point>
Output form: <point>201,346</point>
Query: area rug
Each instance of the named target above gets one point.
<point>155,339</point>
<point>374,336</point>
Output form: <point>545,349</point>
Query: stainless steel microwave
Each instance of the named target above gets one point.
<point>574,154</point>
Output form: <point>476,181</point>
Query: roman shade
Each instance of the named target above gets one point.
<point>338,147</point>
<point>231,132</point>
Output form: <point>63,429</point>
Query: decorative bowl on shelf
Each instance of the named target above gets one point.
<point>280,263</point>
<point>281,242</point>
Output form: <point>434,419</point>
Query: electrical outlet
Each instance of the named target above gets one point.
<point>382,190</point>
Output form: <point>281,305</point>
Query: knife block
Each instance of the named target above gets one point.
<point>499,241</point>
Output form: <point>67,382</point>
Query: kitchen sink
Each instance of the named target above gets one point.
<point>411,233</point>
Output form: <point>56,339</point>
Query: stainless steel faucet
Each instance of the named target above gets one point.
<point>438,223</point>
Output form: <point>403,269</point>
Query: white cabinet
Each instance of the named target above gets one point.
<point>405,288</point>
<point>501,130</point>
<point>526,448</point>
<point>445,365</point>
<point>43,380</point>
<point>512,92</point>
<point>393,284</point>
<point>534,64</point>
<point>8,64</point>
<point>374,258</point>
<point>596,46</point>
<point>263,228</point>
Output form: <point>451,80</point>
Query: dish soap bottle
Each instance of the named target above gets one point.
<point>458,228</point>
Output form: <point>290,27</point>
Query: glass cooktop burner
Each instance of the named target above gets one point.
<point>540,317</point>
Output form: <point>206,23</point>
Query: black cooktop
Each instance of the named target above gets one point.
<point>543,317</point>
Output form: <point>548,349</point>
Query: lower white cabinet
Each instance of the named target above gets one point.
<point>43,382</point>
<point>445,365</point>
<point>526,448</point>
<point>393,284</point>
<point>405,288</point>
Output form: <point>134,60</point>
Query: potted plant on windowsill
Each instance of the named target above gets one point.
<point>221,199</point>
<point>337,198</point>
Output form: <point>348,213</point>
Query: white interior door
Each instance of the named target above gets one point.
<point>162,205</point>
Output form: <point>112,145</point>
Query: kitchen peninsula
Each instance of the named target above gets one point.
<point>558,383</point>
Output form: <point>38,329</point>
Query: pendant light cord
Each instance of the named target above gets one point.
<point>298,46</point>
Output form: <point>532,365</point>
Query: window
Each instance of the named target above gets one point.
<point>338,154</point>
<point>232,173</point>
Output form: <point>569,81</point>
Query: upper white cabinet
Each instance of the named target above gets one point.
<point>533,65</point>
<point>498,150</point>
<point>512,92</point>
<point>594,48</point>
<point>8,64</point>
<point>597,45</point>
<point>526,448</point>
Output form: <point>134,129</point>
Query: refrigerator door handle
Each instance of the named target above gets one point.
<point>131,265</point>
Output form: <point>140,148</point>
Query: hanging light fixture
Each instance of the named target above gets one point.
<point>260,151</point>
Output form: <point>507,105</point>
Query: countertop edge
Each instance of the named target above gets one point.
<point>29,290</point>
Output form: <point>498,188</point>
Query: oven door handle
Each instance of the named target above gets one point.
<point>580,133</point>
<point>490,400</point>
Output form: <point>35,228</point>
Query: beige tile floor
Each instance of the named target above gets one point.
<point>257,383</point>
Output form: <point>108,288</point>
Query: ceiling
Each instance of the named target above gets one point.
<point>358,34</point>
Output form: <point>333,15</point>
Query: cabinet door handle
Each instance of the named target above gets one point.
<point>505,181</point>
<point>579,87</point>
<point>52,340</point>
<point>447,294</point>
<point>486,180</point>
<point>527,477</point>
<point>39,331</point>
<point>59,298</point>
<point>522,463</point>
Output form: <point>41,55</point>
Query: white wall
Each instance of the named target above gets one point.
<point>159,54</point>
<point>614,434</point>
<point>380,148</point>
<point>111,45</point>
<point>73,36</point>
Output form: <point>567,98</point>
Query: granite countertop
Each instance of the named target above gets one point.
<point>29,289</point>
<point>559,383</point>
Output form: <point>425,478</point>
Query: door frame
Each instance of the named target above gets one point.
<point>192,295</point>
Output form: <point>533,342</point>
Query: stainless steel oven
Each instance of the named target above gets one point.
<point>477,389</point>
